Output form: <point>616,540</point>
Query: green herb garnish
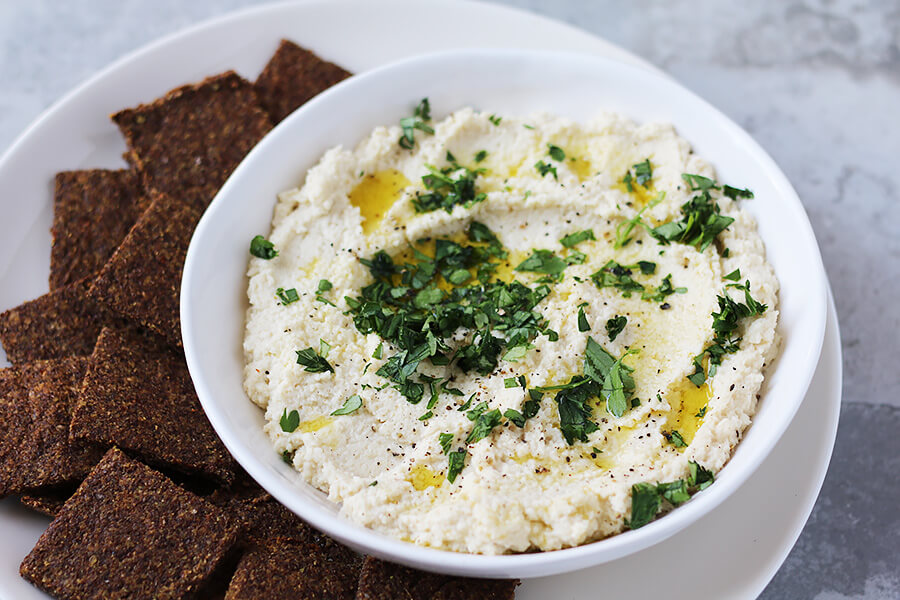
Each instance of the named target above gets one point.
<point>448,187</point>
<point>647,498</point>
<point>572,239</point>
<point>664,289</point>
<point>615,326</point>
<point>481,155</point>
<point>289,421</point>
<point>583,324</point>
<point>315,361</point>
<point>544,168</point>
<point>556,153</point>
<point>351,405</point>
<point>421,115</point>
<point>262,248</point>
<point>542,261</point>
<point>675,438</point>
<point>287,296</point>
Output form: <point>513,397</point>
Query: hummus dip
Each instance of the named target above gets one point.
<point>495,334</point>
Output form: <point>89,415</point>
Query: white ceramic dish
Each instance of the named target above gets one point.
<point>503,82</point>
<point>72,134</point>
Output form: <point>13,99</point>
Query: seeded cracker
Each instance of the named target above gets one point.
<point>142,280</point>
<point>188,142</point>
<point>36,401</point>
<point>283,569</point>
<point>137,394</point>
<point>382,580</point>
<point>62,323</point>
<point>128,532</point>
<point>92,212</point>
<point>292,76</point>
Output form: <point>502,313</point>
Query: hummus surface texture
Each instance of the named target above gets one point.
<point>521,486</point>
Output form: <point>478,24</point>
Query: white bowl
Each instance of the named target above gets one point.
<point>214,299</point>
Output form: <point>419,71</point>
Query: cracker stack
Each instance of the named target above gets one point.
<point>100,426</point>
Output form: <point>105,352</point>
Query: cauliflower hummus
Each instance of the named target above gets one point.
<point>494,334</point>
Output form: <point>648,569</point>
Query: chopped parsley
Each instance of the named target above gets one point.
<point>675,438</point>
<point>614,275</point>
<point>289,421</point>
<point>315,361</point>
<point>288,457</point>
<point>379,351</point>
<point>456,462</point>
<point>495,120</point>
<point>484,424</point>
<point>542,261</point>
<point>351,405</point>
<point>625,229</point>
<point>324,286</point>
<point>643,173</point>
<point>572,239</point>
<point>445,439</point>
<point>583,324</point>
<point>701,221</point>
<point>421,115</point>
<point>663,290</point>
<point>736,193</point>
<point>544,168</point>
<point>701,413</point>
<point>647,498</point>
<point>262,248</point>
<point>288,296</point>
<point>725,323</point>
<point>556,153</point>
<point>481,155</point>
<point>734,275</point>
<point>448,187</point>
<point>615,326</point>
<point>427,415</point>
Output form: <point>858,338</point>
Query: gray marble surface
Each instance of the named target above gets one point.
<point>817,83</point>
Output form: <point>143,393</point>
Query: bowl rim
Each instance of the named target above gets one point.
<point>507,565</point>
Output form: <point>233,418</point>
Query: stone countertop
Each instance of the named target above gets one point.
<point>817,83</point>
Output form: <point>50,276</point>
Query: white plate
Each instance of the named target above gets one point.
<point>575,86</point>
<point>75,133</point>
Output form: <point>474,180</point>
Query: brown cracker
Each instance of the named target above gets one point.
<point>292,76</point>
<point>289,570</point>
<point>92,212</point>
<point>128,532</point>
<point>138,395</point>
<point>64,322</point>
<point>47,502</point>
<point>36,401</point>
<point>380,580</point>
<point>142,280</point>
<point>188,142</point>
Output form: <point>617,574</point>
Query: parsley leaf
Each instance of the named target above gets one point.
<point>456,462</point>
<point>615,326</point>
<point>379,351</point>
<point>542,261</point>
<point>262,248</point>
<point>556,153</point>
<point>612,274</point>
<point>289,421</point>
<point>494,119</point>
<point>675,438</point>
<point>324,285</point>
<point>313,361</point>
<point>544,168</point>
<point>448,187</point>
<point>421,114</point>
<point>445,440</point>
<point>287,296</point>
<point>643,173</point>
<point>735,193</point>
<point>733,276</point>
<point>700,222</point>
<point>572,239</point>
<point>583,324</point>
<point>699,476</point>
<point>625,229</point>
<point>351,405</point>
<point>484,424</point>
<point>645,503</point>
<point>481,155</point>
<point>663,290</point>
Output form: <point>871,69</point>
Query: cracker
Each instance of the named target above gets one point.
<point>188,142</point>
<point>128,532</point>
<point>289,570</point>
<point>292,76</point>
<point>36,401</point>
<point>142,280</point>
<point>380,580</point>
<point>137,395</point>
<point>92,212</point>
<point>63,323</point>
<point>47,502</point>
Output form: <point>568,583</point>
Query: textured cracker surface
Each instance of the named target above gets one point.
<point>61,323</point>
<point>292,76</point>
<point>137,394</point>
<point>142,280</point>
<point>128,532</point>
<point>188,142</point>
<point>382,580</point>
<point>36,401</point>
<point>92,212</point>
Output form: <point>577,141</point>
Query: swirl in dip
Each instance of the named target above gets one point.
<point>495,334</point>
